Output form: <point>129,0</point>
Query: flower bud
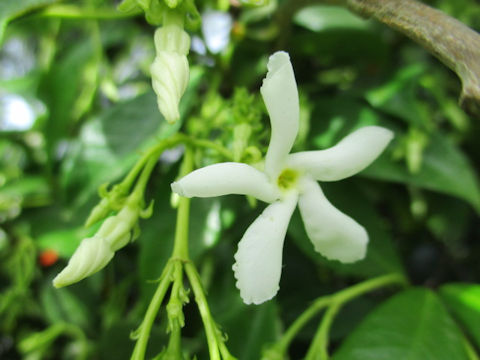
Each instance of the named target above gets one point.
<point>95,253</point>
<point>92,255</point>
<point>170,71</point>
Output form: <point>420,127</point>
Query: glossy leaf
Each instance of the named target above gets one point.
<point>463,301</point>
<point>411,325</point>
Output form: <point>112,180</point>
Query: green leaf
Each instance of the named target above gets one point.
<point>63,305</point>
<point>463,300</point>
<point>411,325</point>
<point>62,87</point>
<point>445,168</point>
<point>10,9</point>
<point>399,97</point>
<point>64,241</point>
<point>320,18</point>
<point>31,190</point>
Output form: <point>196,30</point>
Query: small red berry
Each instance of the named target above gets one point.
<point>48,258</point>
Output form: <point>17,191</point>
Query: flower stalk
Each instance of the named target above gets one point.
<point>319,346</point>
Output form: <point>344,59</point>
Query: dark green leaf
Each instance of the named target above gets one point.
<point>463,300</point>
<point>411,325</point>
<point>444,168</point>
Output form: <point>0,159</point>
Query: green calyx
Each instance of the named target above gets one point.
<point>287,179</point>
<point>156,10</point>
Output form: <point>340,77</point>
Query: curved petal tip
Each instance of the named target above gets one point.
<point>177,188</point>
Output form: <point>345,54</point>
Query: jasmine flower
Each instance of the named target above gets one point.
<point>288,180</point>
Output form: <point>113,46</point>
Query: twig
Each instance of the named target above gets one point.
<point>451,41</point>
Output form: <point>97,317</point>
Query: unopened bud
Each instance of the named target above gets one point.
<point>170,70</point>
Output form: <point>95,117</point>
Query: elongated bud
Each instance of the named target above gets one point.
<point>92,255</point>
<point>95,253</point>
<point>170,71</point>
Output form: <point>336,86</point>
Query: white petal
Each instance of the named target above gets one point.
<point>259,257</point>
<point>279,91</point>
<point>226,178</point>
<point>350,156</point>
<point>92,255</point>
<point>333,234</point>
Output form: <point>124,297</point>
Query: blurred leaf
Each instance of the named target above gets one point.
<point>32,190</point>
<point>444,168</point>
<point>411,325</point>
<point>63,305</point>
<point>61,87</point>
<point>10,9</point>
<point>322,17</point>
<point>463,301</point>
<point>64,242</point>
<point>205,225</point>
<point>398,96</point>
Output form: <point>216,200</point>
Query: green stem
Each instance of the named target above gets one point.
<point>76,12</point>
<point>180,249</point>
<point>153,307</point>
<point>319,347</point>
<point>333,301</point>
<point>175,313</point>
<point>156,150</point>
<point>153,152</point>
<point>319,350</point>
<point>301,321</point>
<point>144,177</point>
<point>227,154</point>
<point>208,322</point>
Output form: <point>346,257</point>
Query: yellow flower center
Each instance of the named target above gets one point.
<point>287,179</point>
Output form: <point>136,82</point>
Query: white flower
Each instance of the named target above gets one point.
<point>289,179</point>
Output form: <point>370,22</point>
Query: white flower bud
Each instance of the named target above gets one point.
<point>95,253</point>
<point>92,255</point>
<point>170,71</point>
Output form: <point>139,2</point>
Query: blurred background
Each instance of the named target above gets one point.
<point>77,108</point>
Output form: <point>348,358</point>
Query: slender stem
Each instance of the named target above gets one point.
<point>153,307</point>
<point>175,313</point>
<point>319,348</point>
<point>208,322</point>
<point>209,144</point>
<point>367,286</point>
<point>302,320</point>
<point>153,152</point>
<point>180,249</point>
<point>336,300</point>
<point>76,12</point>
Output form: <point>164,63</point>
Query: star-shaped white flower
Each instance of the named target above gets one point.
<point>289,179</point>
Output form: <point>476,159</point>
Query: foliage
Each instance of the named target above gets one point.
<point>77,113</point>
